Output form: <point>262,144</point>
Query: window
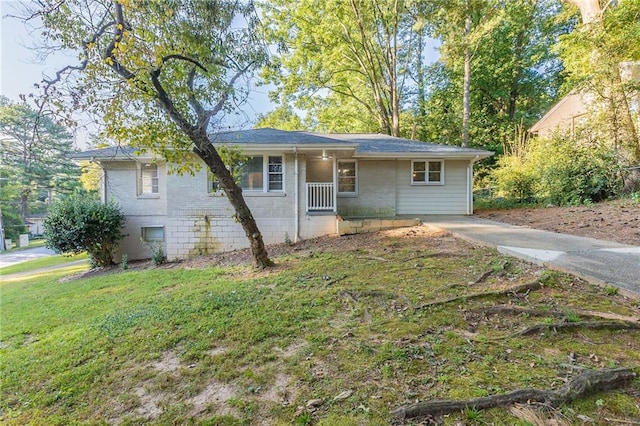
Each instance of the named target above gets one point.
<point>427,172</point>
<point>148,179</point>
<point>251,173</point>
<point>275,173</point>
<point>254,173</point>
<point>347,177</point>
<point>152,234</point>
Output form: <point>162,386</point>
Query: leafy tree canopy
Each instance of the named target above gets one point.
<point>34,157</point>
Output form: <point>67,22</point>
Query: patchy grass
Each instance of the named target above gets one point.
<point>40,263</point>
<point>330,336</point>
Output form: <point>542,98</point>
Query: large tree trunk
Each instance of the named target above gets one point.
<point>206,151</point>
<point>515,82</point>
<point>589,9</point>
<point>466,85</point>
<point>24,203</point>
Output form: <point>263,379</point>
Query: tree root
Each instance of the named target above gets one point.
<point>587,382</point>
<point>534,285</point>
<point>594,325</point>
<point>518,310</point>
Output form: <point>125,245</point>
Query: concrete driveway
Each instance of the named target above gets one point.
<point>8,259</point>
<point>596,261</point>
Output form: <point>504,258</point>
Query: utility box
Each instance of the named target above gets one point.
<point>24,240</point>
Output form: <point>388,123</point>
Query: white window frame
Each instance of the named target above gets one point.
<point>427,169</point>
<point>155,188</point>
<point>267,166</point>
<point>145,230</point>
<point>355,191</point>
<point>265,177</point>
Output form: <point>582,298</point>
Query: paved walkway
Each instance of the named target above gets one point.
<point>19,256</point>
<point>597,261</point>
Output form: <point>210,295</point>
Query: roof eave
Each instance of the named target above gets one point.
<point>434,154</point>
<point>263,147</point>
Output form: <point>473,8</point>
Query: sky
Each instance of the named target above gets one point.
<point>20,67</point>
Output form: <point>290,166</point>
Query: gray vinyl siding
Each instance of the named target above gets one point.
<point>450,198</point>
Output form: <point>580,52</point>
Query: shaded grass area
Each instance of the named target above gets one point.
<point>44,262</point>
<point>336,327</point>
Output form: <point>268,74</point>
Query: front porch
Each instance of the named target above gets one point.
<point>321,198</point>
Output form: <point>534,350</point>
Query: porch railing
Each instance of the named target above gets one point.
<point>320,197</point>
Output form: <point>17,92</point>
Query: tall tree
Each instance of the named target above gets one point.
<point>343,58</point>
<point>463,25</point>
<point>505,65</point>
<point>161,74</point>
<point>34,154</point>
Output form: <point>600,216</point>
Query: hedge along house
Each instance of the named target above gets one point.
<point>298,185</point>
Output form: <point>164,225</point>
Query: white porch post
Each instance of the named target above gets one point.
<point>335,184</point>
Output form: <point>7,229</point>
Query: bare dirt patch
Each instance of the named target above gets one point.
<point>617,220</point>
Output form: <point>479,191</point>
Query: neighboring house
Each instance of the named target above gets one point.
<point>571,112</point>
<point>297,185</point>
<point>35,224</point>
<point>567,115</point>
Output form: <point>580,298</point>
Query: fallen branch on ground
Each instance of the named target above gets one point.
<point>581,385</point>
<point>534,285</point>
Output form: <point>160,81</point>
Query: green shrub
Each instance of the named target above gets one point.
<point>80,223</point>
<point>514,179</point>
<point>574,174</point>
<point>559,171</point>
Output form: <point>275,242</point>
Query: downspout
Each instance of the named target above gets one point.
<point>470,184</point>
<point>296,208</point>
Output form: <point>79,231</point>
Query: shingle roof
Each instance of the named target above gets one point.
<point>363,144</point>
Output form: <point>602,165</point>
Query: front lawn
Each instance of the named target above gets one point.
<point>337,335</point>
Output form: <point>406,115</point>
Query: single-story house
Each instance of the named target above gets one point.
<point>297,184</point>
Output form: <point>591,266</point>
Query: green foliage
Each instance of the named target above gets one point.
<point>80,223</point>
<point>283,118</point>
<point>34,159</point>
<point>514,179</point>
<point>157,254</point>
<point>345,65</point>
<point>175,69</point>
<point>570,174</point>
<point>559,171</point>
<point>594,56</point>
<point>515,73</point>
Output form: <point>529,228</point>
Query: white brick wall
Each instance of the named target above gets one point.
<point>194,221</point>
